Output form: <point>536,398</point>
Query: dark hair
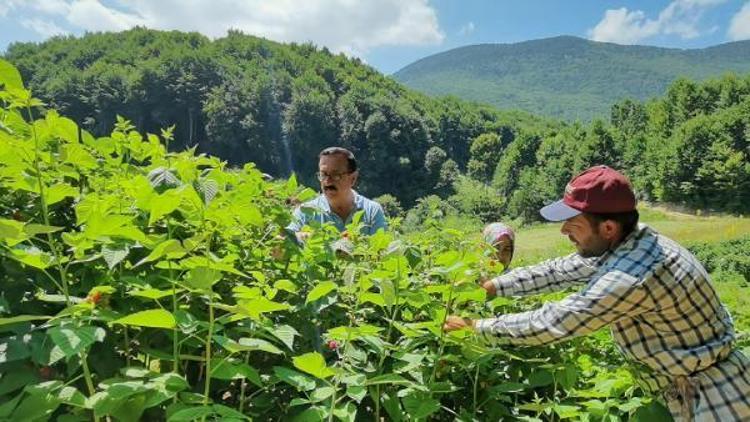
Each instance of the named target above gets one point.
<point>628,220</point>
<point>350,160</point>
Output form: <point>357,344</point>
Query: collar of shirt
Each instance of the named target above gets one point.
<point>627,244</point>
<point>324,206</point>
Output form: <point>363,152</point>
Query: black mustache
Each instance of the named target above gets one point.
<point>331,187</point>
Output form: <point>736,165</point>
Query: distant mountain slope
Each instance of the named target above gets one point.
<point>565,76</point>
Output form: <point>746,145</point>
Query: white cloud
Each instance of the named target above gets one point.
<point>680,17</point>
<point>467,29</point>
<point>94,16</point>
<point>739,27</point>
<point>43,27</point>
<point>7,6</point>
<point>349,26</point>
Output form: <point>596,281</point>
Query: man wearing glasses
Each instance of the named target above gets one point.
<point>337,173</point>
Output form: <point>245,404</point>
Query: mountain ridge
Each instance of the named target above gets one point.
<point>566,76</point>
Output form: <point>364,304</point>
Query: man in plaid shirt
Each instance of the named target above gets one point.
<point>663,311</point>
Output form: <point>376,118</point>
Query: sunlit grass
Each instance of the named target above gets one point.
<point>544,241</point>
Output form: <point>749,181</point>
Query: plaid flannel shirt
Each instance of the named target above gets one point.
<point>663,312</point>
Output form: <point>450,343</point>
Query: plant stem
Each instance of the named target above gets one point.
<point>89,381</point>
<point>476,384</point>
<point>208,350</point>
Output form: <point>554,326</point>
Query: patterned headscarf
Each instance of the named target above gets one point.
<point>492,233</point>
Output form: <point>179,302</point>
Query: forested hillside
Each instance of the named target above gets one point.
<point>567,77</point>
<point>246,99</point>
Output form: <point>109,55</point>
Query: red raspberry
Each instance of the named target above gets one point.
<point>95,297</point>
<point>45,372</point>
<point>333,344</point>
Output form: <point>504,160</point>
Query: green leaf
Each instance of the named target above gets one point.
<point>286,286</point>
<point>312,414</point>
<point>22,318</point>
<point>258,344</point>
<point>652,412</point>
<point>346,333</point>
<point>321,393</point>
<point>296,379</point>
<point>191,414</point>
<point>246,344</point>
<point>9,76</point>
<point>35,229</point>
<point>388,379</point>
<point>228,370</point>
<point>70,341</point>
<point>249,214</point>
<point>58,192</point>
<point>114,256</point>
<point>151,293</point>
<point>164,204</point>
<point>32,257</point>
<point>388,292</point>
<point>156,318</point>
<point>170,248</point>
<point>285,333</point>
<point>566,411</point>
<point>320,290</point>
<point>254,308</point>
<point>314,364</point>
<point>420,406</point>
<point>202,278</point>
<point>11,229</point>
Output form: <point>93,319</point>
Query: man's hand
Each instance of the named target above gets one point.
<point>454,322</point>
<point>490,287</point>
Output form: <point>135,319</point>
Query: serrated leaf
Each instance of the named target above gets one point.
<point>163,204</point>
<point>11,229</point>
<point>70,341</point>
<point>155,318</point>
<point>207,189</point>
<point>254,308</point>
<point>171,248</point>
<point>320,290</point>
<point>420,406</point>
<point>9,76</point>
<point>162,178</point>
<point>286,334</point>
<point>296,379</point>
<point>58,192</point>
<point>314,364</point>
<point>113,256</point>
<point>33,257</point>
<point>202,278</point>
<point>228,370</point>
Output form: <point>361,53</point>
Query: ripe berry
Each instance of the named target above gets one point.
<point>95,297</point>
<point>45,372</point>
<point>333,344</point>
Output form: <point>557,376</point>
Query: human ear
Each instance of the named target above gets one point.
<point>609,229</point>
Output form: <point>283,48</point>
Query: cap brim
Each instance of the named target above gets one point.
<point>558,211</point>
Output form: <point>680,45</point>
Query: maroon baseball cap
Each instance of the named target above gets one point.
<point>599,189</point>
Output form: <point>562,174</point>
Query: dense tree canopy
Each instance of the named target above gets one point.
<point>247,99</point>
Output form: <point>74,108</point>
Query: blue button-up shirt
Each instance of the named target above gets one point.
<point>319,210</point>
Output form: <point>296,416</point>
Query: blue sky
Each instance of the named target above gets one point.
<point>389,34</point>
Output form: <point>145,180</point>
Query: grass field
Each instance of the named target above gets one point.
<point>544,241</point>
